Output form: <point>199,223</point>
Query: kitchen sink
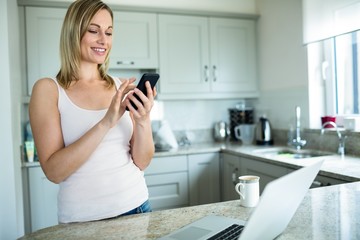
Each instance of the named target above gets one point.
<point>291,153</point>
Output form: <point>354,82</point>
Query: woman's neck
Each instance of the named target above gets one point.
<point>89,72</point>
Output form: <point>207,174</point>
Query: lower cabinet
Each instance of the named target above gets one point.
<point>204,180</point>
<point>234,166</point>
<point>230,166</point>
<point>322,181</point>
<point>167,181</point>
<point>183,180</point>
<point>42,200</point>
<point>266,171</point>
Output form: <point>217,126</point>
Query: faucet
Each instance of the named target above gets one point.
<point>297,141</point>
<point>341,148</point>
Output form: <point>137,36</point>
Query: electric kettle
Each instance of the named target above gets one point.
<point>221,131</point>
<point>263,132</point>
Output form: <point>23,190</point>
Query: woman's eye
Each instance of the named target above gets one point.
<point>108,34</point>
<point>92,31</point>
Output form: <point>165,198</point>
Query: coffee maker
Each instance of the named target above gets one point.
<point>244,115</point>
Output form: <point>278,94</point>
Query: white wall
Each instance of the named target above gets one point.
<point>282,62</point>
<point>11,221</point>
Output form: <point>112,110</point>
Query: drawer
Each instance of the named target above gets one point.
<point>167,165</point>
<point>169,190</point>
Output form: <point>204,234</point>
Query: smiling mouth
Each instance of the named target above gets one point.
<point>100,50</point>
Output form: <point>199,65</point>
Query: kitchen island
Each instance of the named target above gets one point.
<point>325,213</point>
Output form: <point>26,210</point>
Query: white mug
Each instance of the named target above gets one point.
<point>248,189</point>
<point>245,133</point>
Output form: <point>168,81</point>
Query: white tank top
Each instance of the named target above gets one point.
<point>108,183</point>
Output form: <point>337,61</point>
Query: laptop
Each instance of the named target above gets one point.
<point>278,204</point>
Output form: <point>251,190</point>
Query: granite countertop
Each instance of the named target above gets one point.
<point>347,169</point>
<point>325,213</point>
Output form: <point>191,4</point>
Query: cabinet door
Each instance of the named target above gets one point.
<point>168,190</point>
<point>167,181</point>
<point>322,181</point>
<point>233,55</point>
<point>134,41</point>
<point>267,172</point>
<point>230,166</point>
<point>43,27</point>
<point>184,54</point>
<point>43,200</point>
<point>204,180</point>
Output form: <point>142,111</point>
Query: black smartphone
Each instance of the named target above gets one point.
<point>152,78</point>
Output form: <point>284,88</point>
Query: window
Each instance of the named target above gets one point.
<point>341,74</point>
<point>337,60</point>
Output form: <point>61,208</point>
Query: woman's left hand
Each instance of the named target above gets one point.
<point>142,113</point>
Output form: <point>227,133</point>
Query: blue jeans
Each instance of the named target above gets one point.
<point>143,208</point>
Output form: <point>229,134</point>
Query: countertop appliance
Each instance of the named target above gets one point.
<point>239,116</point>
<point>221,131</point>
<point>263,132</point>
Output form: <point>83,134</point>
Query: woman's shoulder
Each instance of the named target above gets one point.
<point>45,85</point>
<point>47,81</point>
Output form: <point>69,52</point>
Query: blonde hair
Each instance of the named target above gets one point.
<point>75,25</point>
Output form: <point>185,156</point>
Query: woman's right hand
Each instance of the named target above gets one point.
<point>118,106</point>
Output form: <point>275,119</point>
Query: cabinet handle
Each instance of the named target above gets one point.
<point>234,176</point>
<point>316,184</point>
<point>206,73</point>
<point>214,73</point>
<point>125,62</point>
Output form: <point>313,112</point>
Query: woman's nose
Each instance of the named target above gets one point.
<point>102,38</point>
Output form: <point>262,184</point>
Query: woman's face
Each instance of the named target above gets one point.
<point>97,40</point>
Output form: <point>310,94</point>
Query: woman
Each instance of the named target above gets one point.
<point>85,139</point>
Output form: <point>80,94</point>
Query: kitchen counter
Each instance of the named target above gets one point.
<point>347,169</point>
<point>325,213</point>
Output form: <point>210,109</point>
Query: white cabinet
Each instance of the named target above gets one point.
<point>204,180</point>
<point>134,41</point>
<point>204,57</point>
<point>184,54</point>
<point>43,199</point>
<point>43,27</point>
<point>232,58</point>
<point>177,181</point>
<point>167,181</point>
<point>230,165</point>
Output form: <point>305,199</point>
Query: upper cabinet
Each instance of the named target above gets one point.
<point>43,27</point>
<point>203,57</point>
<point>134,41</point>
<point>198,57</point>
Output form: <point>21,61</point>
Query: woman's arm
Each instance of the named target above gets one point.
<point>142,145</point>
<point>57,161</point>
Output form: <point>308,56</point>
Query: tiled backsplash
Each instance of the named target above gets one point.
<point>327,142</point>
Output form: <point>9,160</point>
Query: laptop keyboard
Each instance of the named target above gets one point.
<point>232,232</point>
